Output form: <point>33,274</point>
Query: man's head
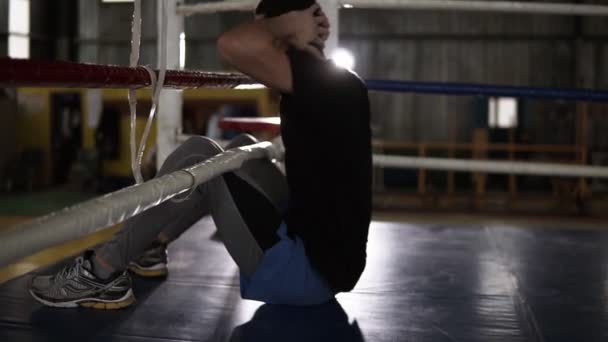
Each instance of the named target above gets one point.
<point>274,8</point>
<point>308,26</point>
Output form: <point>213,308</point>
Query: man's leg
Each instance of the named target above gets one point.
<point>163,223</point>
<point>99,279</point>
<point>247,207</point>
<point>261,174</point>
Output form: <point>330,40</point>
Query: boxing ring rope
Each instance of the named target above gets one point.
<point>483,6</point>
<point>38,73</point>
<point>216,7</point>
<point>22,72</point>
<point>446,88</point>
<point>496,167</point>
<point>91,216</point>
<point>447,5</point>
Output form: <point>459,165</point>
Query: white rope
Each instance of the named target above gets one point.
<point>133,62</point>
<point>91,216</point>
<point>182,198</point>
<point>137,151</point>
<point>157,88</point>
<point>217,7</point>
<point>483,6</point>
<point>488,166</point>
<point>451,5</point>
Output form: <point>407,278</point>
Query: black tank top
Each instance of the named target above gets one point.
<point>325,125</point>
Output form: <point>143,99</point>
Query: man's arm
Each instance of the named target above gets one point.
<point>255,49</point>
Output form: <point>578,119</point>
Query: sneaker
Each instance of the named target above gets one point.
<point>153,263</point>
<point>77,285</point>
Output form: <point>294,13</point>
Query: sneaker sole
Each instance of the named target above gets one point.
<point>157,271</point>
<point>92,303</point>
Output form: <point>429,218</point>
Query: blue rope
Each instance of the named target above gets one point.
<point>487,90</point>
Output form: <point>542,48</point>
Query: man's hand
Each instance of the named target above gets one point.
<point>323,31</point>
<point>307,29</point>
<point>252,47</point>
<point>323,24</point>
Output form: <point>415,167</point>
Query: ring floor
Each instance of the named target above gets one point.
<point>423,282</point>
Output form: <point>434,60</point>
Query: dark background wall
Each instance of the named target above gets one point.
<point>530,50</point>
<point>3,27</point>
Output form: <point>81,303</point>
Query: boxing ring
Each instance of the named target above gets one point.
<point>424,281</point>
<point>114,208</point>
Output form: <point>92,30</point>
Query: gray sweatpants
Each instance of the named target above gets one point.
<point>246,206</point>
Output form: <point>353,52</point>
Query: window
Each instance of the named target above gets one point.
<point>19,28</point>
<point>502,112</point>
<point>182,50</point>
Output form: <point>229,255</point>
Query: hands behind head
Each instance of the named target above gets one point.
<point>311,30</point>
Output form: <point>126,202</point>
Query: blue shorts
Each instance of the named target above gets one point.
<point>285,276</point>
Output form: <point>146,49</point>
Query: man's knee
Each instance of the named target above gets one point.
<point>243,139</point>
<point>197,144</point>
<point>194,150</point>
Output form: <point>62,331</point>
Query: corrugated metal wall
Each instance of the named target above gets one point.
<point>3,27</point>
<point>428,46</point>
<point>423,46</point>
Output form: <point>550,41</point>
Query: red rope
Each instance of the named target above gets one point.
<point>37,73</point>
<point>264,124</point>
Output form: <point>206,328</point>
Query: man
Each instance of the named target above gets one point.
<point>297,241</point>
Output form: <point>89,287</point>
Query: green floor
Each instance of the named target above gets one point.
<point>40,202</point>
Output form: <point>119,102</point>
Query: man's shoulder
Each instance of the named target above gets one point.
<point>324,75</point>
<point>355,80</point>
<point>345,78</point>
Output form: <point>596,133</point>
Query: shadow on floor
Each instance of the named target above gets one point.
<point>328,322</point>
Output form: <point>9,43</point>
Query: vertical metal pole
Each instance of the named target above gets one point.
<point>332,10</point>
<point>169,118</point>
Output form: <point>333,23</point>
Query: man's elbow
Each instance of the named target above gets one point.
<point>228,47</point>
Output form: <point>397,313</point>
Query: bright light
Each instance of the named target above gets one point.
<point>19,29</point>
<point>250,86</point>
<point>18,47</point>
<point>347,6</point>
<point>182,50</point>
<point>19,17</point>
<point>343,58</point>
<point>502,112</point>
